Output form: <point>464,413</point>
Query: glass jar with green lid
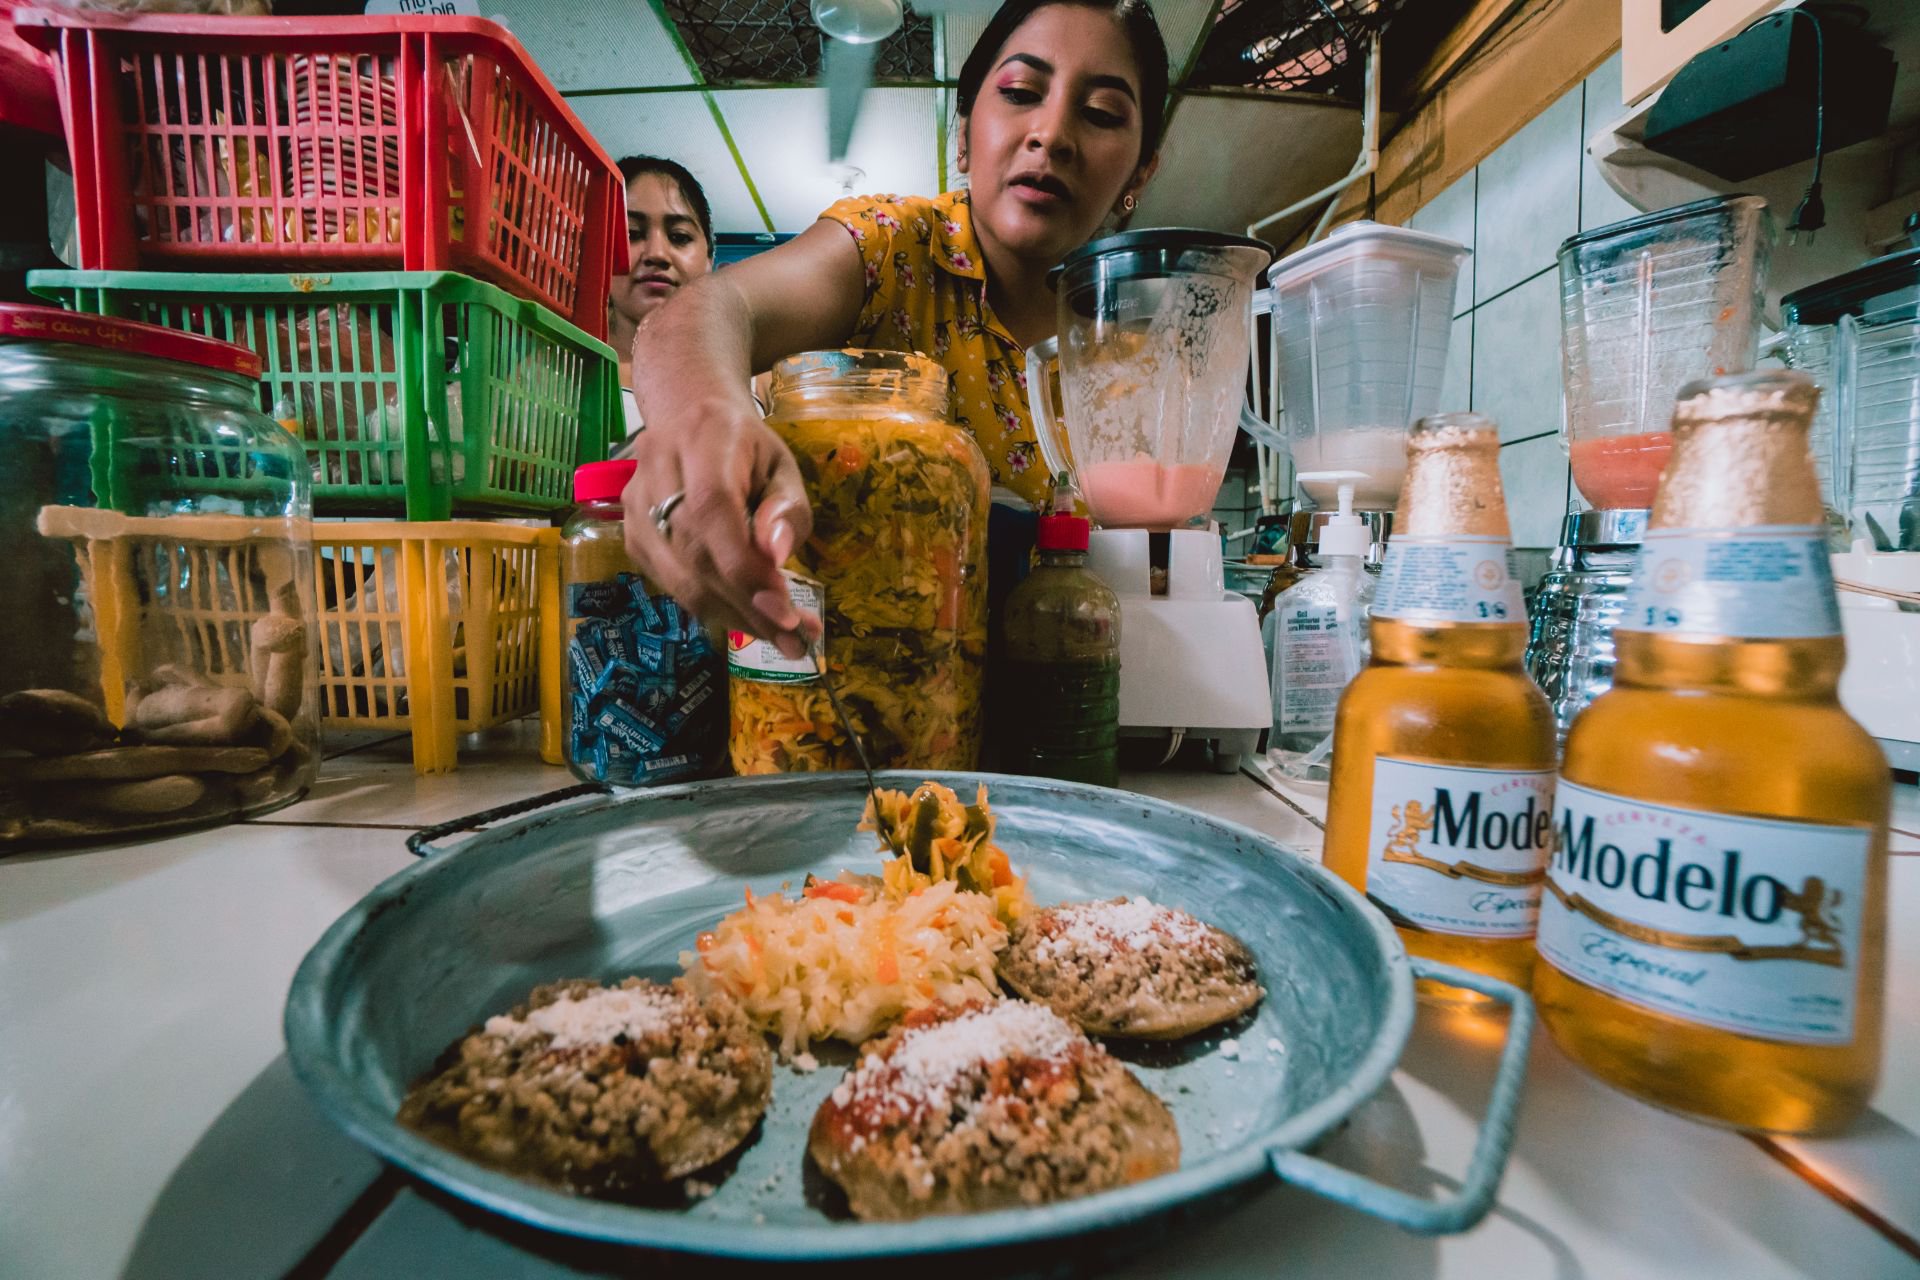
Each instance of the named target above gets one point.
<point>160,670</point>
<point>896,562</point>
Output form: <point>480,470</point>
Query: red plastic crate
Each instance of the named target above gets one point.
<point>421,144</point>
<point>27,96</point>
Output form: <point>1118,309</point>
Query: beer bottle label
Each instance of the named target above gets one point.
<point>1769,582</point>
<point>749,658</point>
<point>1459,850</point>
<point>1453,577</point>
<point>1750,925</point>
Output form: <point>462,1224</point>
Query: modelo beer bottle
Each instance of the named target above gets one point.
<point>1443,749</point>
<point>1713,932</point>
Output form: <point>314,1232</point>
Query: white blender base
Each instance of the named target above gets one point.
<point>1190,660</point>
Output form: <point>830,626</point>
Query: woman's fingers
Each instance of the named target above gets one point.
<point>710,558</point>
<point>782,519</point>
<point>674,574</point>
<point>727,554</point>
<point>657,478</point>
<point>656,474</point>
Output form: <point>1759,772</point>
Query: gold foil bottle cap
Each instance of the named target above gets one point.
<point>1453,478</point>
<point>1740,454</point>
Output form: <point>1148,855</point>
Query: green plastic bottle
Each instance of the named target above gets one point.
<point>1060,677</point>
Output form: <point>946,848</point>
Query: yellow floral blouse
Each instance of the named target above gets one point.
<point>927,292</point>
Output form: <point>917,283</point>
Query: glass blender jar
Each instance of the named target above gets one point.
<point>1858,335</point>
<point>1647,306</point>
<point>1151,374</point>
<point>1153,352</point>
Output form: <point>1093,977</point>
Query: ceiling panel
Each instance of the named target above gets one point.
<point>1181,25</point>
<point>594,44</point>
<point>1231,161</point>
<point>782,134</point>
<point>963,29</point>
<point>679,126</point>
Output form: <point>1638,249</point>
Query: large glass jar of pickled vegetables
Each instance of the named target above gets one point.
<point>896,564</point>
<point>159,663</point>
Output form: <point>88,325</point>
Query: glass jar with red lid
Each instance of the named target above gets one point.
<point>161,666</point>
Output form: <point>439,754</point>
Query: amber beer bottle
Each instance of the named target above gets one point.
<point>1714,930</point>
<point>1441,798</point>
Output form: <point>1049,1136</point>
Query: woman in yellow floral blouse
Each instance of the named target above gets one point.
<point>1061,104</point>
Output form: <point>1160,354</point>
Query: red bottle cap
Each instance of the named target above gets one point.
<point>602,481</point>
<point>1064,533</point>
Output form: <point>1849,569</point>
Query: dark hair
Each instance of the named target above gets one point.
<point>676,173</point>
<point>1143,32</point>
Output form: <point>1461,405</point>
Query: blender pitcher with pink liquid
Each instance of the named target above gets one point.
<point>1153,350</point>
<point>1646,306</point>
<point>1152,368</point>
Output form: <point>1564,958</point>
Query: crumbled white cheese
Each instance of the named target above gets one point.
<point>1229,1048</point>
<point>805,1063</point>
<point>596,1018</point>
<point>931,1062</point>
<point>1132,924</point>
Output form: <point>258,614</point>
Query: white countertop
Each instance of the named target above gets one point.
<point>150,1126</point>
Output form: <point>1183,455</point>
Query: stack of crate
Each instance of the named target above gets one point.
<point>427,235</point>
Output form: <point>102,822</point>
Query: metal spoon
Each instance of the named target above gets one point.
<point>859,747</point>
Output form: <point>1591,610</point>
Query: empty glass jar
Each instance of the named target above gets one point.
<point>158,669</point>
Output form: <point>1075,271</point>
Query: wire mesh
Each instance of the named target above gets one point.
<point>1316,46</point>
<point>757,41</point>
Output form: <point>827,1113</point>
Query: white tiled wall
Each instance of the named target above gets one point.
<point>1516,380</point>
<point>1600,203</point>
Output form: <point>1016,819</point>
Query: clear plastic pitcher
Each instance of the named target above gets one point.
<point>1858,335</point>
<point>1363,320</point>
<point>1647,306</point>
<point>1152,369</point>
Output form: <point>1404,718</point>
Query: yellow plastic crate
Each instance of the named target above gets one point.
<point>184,590</point>
<point>439,628</point>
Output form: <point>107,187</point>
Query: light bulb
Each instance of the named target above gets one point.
<point>857,21</point>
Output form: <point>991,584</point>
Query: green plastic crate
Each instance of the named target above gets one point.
<point>422,393</point>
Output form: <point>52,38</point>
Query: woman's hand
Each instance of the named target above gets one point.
<point>744,510</point>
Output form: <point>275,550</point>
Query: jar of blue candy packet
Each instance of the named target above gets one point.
<point>646,689</point>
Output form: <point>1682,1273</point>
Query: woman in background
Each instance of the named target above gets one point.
<point>1061,105</point>
<point>669,244</point>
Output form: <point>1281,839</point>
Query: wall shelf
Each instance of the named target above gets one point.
<point>1869,188</point>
